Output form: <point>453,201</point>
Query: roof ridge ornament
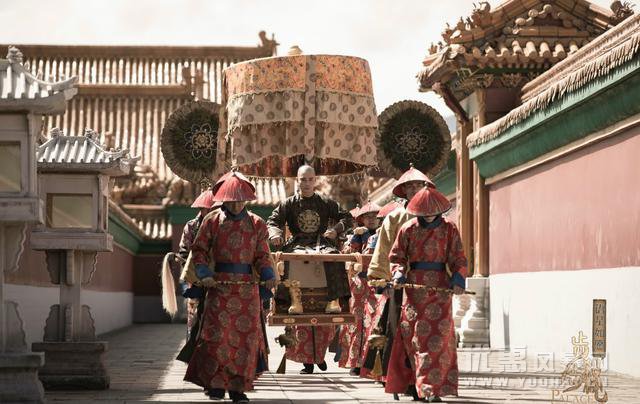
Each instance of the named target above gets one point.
<point>621,10</point>
<point>92,135</point>
<point>53,153</point>
<point>55,132</point>
<point>267,43</point>
<point>14,55</point>
<point>480,18</point>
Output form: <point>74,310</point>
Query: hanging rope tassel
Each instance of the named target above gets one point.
<point>377,365</point>
<point>357,267</point>
<point>285,340</point>
<point>169,300</point>
<point>283,365</point>
<point>279,263</point>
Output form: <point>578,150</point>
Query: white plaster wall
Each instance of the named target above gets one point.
<point>541,311</point>
<point>110,310</point>
<point>33,307</point>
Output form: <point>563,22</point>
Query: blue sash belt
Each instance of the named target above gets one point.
<point>428,265</point>
<point>233,268</point>
<point>362,274</point>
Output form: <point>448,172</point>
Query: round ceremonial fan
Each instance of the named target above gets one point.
<point>189,140</point>
<point>411,132</point>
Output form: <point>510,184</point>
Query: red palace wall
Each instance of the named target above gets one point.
<point>581,211</point>
<point>146,278</point>
<point>115,271</point>
<point>176,236</point>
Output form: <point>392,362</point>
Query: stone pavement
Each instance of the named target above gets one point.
<point>142,369</point>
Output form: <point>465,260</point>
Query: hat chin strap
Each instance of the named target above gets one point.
<point>432,224</point>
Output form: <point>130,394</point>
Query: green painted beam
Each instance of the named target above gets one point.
<point>181,214</point>
<point>131,240</point>
<point>446,179</point>
<point>155,247</point>
<point>601,103</point>
<point>446,182</point>
<point>123,235</point>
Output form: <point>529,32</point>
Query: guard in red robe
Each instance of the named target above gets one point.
<point>425,337</point>
<point>374,307</point>
<point>193,294</point>
<point>205,204</point>
<point>311,347</point>
<point>409,183</point>
<point>231,248</point>
<point>352,336</point>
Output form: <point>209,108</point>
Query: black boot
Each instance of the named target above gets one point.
<point>434,399</point>
<point>238,397</point>
<point>216,394</point>
<point>354,372</point>
<point>308,369</point>
<point>411,391</point>
<point>322,366</point>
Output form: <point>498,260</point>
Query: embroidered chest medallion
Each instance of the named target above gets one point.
<point>309,221</point>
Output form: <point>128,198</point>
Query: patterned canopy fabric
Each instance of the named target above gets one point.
<point>284,111</point>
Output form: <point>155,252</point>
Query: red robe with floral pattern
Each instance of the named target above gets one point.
<point>374,306</point>
<point>231,350</point>
<point>353,336</point>
<point>188,235</point>
<point>426,329</point>
<point>312,343</point>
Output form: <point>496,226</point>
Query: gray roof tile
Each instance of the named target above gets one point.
<point>81,153</point>
<point>20,90</point>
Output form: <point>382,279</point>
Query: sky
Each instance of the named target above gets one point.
<point>392,35</point>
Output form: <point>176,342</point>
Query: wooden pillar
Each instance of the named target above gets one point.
<point>464,190</point>
<point>481,224</point>
<point>480,201</point>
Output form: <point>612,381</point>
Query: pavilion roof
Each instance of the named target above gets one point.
<point>20,90</point>
<point>517,34</point>
<point>612,49</point>
<point>82,153</point>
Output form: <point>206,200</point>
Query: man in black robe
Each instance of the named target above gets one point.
<point>314,222</point>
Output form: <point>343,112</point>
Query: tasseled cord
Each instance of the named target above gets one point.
<point>285,340</point>
<point>169,302</point>
<point>280,268</point>
<point>357,267</point>
<point>377,365</point>
<point>282,369</point>
<point>279,263</point>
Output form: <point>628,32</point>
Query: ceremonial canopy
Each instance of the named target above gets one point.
<point>284,111</point>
